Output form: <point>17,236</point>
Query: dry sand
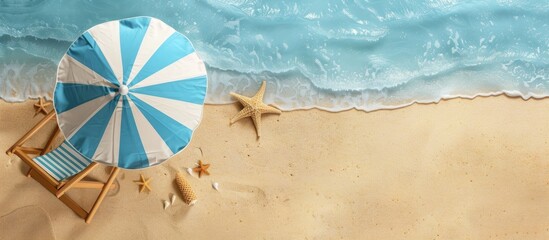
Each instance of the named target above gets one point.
<point>461,169</point>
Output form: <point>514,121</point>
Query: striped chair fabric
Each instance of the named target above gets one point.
<point>62,162</point>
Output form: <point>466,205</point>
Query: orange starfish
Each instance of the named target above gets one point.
<point>40,107</point>
<point>143,184</point>
<point>202,168</point>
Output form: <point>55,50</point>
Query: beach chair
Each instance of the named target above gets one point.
<point>61,169</point>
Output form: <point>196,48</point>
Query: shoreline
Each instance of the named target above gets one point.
<point>507,94</point>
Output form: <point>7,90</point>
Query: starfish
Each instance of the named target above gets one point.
<point>143,184</point>
<point>254,107</point>
<point>40,107</point>
<point>202,168</point>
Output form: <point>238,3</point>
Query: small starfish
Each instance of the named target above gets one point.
<point>202,168</point>
<point>254,107</point>
<point>143,184</point>
<point>40,107</point>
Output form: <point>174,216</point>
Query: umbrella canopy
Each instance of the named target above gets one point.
<point>130,93</point>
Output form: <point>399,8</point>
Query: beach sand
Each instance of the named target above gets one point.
<point>460,169</point>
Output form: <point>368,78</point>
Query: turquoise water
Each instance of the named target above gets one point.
<point>333,55</point>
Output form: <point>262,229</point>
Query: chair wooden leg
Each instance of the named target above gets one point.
<point>74,206</point>
<point>31,132</point>
<point>75,179</point>
<point>51,140</point>
<point>90,184</point>
<point>55,187</point>
<point>102,195</point>
<point>35,167</point>
<point>65,199</point>
<point>31,150</point>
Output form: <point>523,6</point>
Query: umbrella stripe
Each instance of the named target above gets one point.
<point>71,95</point>
<point>156,34</point>
<point>174,48</point>
<point>84,120</point>
<point>107,38</point>
<point>194,67</point>
<point>132,32</point>
<point>87,138</point>
<point>174,134</point>
<point>155,147</point>
<point>110,142</point>
<point>132,154</point>
<point>188,90</point>
<point>143,127</point>
<point>73,119</point>
<point>86,51</point>
<point>187,114</point>
<point>72,71</point>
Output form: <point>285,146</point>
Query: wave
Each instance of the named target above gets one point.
<point>328,54</point>
<point>298,92</point>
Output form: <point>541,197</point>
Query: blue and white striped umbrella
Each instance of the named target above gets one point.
<point>130,93</point>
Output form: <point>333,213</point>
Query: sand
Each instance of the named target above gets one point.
<point>460,169</point>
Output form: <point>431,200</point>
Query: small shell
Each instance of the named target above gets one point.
<point>190,171</point>
<point>215,186</point>
<point>166,204</point>
<point>172,198</point>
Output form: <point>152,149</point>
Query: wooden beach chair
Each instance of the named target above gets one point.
<point>61,169</point>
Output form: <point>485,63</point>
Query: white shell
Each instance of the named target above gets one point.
<point>190,171</point>
<point>166,204</point>
<point>215,186</point>
<point>172,198</point>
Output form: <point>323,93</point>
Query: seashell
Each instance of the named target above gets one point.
<point>166,204</point>
<point>215,186</point>
<point>190,171</point>
<point>187,192</point>
<point>172,198</point>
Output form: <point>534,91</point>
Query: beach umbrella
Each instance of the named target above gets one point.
<point>130,93</point>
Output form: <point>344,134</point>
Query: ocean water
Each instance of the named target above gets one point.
<point>328,54</point>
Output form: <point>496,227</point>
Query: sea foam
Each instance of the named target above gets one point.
<point>327,54</point>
